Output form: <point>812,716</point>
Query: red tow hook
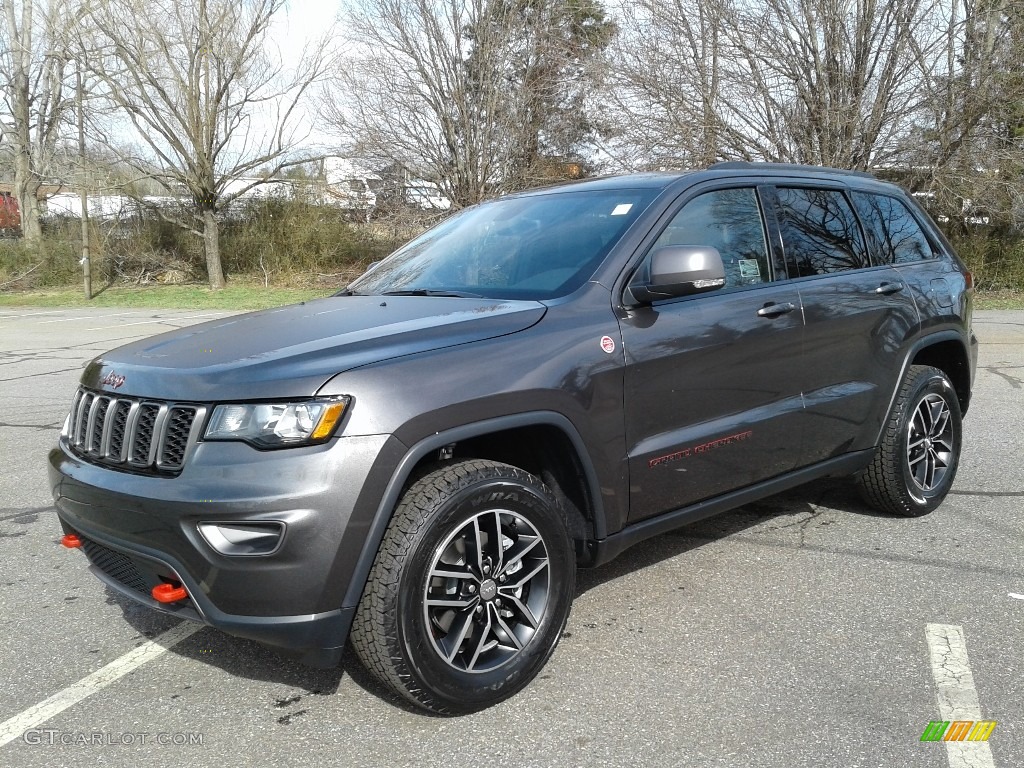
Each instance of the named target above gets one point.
<point>168,593</point>
<point>71,541</point>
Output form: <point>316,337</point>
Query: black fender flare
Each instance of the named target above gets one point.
<point>925,341</point>
<point>388,502</point>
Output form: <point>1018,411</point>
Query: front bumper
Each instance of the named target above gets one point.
<point>139,531</point>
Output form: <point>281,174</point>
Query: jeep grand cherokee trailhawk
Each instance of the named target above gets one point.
<point>419,463</point>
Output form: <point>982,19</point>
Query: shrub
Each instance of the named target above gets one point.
<point>291,236</point>
<point>996,261</point>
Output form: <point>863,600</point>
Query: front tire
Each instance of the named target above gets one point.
<point>470,590</point>
<point>916,462</point>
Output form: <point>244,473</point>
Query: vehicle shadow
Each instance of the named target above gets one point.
<point>803,503</point>
<point>247,659</point>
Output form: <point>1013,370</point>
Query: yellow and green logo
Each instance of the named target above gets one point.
<point>958,730</point>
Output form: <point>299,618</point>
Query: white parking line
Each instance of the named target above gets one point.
<point>123,325</point>
<point>36,715</point>
<point>154,321</point>
<point>83,317</point>
<point>13,315</point>
<point>958,698</point>
<point>1015,596</point>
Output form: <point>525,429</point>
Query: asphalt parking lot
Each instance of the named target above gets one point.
<point>804,630</point>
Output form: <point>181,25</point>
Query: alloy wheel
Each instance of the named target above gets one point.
<point>487,591</point>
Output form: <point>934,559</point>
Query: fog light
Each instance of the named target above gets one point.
<point>240,539</point>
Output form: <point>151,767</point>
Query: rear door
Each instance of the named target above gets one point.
<point>895,237</point>
<point>858,315</point>
<point>712,392</point>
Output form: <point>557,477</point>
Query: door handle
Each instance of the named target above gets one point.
<point>774,310</point>
<point>887,288</point>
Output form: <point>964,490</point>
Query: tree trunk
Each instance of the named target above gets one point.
<point>26,185</point>
<point>211,240</point>
<point>25,190</point>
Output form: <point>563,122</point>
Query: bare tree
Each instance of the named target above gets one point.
<point>547,57</point>
<point>471,95</point>
<point>206,101</point>
<point>36,62</point>
<point>969,144</point>
<point>663,101</point>
<point>813,81</point>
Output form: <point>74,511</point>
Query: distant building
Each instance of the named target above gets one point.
<point>344,183</point>
<point>10,215</point>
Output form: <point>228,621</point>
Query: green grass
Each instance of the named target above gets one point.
<point>999,300</point>
<point>165,297</point>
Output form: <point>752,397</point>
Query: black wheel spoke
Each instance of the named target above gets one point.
<point>478,545</point>
<point>483,643</point>
<point>518,551</point>
<point>524,577</point>
<point>508,594</point>
<point>498,548</point>
<point>457,633</point>
<point>451,573</point>
<point>456,603</point>
<point>499,623</point>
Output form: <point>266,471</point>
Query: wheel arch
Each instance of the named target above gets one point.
<point>946,351</point>
<point>562,462</point>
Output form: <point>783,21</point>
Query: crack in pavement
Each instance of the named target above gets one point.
<point>43,373</point>
<point>962,567</point>
<point>988,494</point>
<point>1013,381</point>
<point>37,427</point>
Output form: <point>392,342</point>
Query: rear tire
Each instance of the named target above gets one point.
<point>470,590</point>
<point>916,462</point>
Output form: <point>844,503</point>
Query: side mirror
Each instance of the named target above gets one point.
<point>678,270</point>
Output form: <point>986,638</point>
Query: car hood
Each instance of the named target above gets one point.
<point>292,351</point>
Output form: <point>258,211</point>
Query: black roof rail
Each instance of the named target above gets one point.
<point>744,165</point>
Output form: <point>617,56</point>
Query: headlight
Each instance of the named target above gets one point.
<point>277,425</point>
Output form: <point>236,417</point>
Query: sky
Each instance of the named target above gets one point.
<point>292,31</point>
<point>299,23</point>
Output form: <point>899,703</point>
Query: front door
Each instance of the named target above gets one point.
<point>712,384</point>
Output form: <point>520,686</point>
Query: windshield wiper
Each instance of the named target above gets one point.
<point>434,292</point>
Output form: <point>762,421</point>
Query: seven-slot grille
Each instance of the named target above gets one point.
<point>131,433</point>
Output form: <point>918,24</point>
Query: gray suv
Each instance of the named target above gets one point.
<point>418,464</point>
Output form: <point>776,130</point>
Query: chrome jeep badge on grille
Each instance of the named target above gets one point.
<point>113,379</point>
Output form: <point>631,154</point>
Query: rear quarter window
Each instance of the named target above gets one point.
<point>894,236</point>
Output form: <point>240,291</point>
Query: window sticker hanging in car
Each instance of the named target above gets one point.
<point>622,209</point>
<point>750,269</point>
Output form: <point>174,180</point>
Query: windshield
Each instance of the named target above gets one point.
<point>536,247</point>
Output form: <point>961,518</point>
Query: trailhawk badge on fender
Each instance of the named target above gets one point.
<point>608,344</point>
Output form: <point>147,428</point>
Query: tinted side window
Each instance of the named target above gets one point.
<point>729,220</point>
<point>893,233</point>
<point>819,231</point>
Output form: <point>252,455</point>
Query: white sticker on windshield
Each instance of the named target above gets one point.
<point>622,209</point>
